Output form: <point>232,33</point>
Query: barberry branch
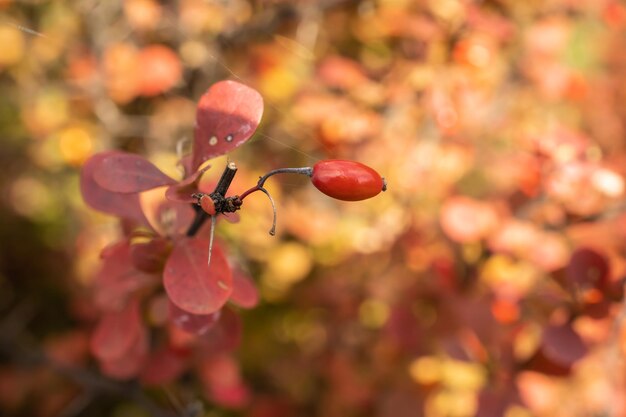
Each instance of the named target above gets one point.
<point>218,194</point>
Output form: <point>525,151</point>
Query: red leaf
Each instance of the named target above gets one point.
<point>192,323</point>
<point>227,116</point>
<point>562,344</point>
<point>150,256</point>
<point>163,366</point>
<point>587,269</point>
<point>128,173</point>
<point>167,217</point>
<point>131,363</point>
<point>116,333</point>
<point>245,293</point>
<point>223,337</point>
<point>123,205</point>
<point>222,382</point>
<point>182,191</point>
<point>118,279</point>
<point>231,217</point>
<point>190,283</point>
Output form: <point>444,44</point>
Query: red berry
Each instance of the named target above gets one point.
<point>346,180</point>
<point>207,205</point>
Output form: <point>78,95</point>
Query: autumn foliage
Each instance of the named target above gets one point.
<point>488,280</point>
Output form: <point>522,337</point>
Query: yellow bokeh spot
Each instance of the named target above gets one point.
<point>167,163</point>
<point>450,11</point>
<point>47,50</point>
<point>12,41</point>
<point>421,77</point>
<point>288,264</point>
<point>194,53</point>
<point>31,198</point>
<point>509,277</point>
<point>517,411</point>
<point>526,341</point>
<point>426,370</point>
<point>279,84</point>
<point>452,403</point>
<point>75,145</point>
<point>48,112</point>
<point>463,375</point>
<point>373,313</point>
<point>471,252</point>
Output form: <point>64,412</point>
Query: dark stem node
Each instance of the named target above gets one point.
<point>222,203</point>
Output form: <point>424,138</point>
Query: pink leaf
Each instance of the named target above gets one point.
<point>231,217</point>
<point>245,293</point>
<point>587,269</point>
<point>167,217</point>
<point>182,191</point>
<point>117,279</point>
<point>225,336</point>
<point>222,382</point>
<point>227,116</point>
<point>116,333</point>
<point>124,205</point>
<point>562,345</point>
<point>131,363</point>
<point>150,256</point>
<point>129,173</point>
<point>163,366</point>
<point>192,323</point>
<point>190,283</point>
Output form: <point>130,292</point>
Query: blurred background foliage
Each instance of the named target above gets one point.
<point>498,124</point>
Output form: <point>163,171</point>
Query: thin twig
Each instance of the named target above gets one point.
<point>308,171</point>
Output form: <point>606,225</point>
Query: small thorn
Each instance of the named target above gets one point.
<point>211,235</point>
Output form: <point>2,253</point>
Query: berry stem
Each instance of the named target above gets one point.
<point>259,186</point>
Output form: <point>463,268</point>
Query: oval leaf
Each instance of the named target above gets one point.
<point>163,367</point>
<point>225,336</point>
<point>182,191</point>
<point>221,377</point>
<point>129,173</point>
<point>227,116</point>
<point>245,293</point>
<point>190,283</point>
<point>166,217</point>
<point>192,323</point>
<point>131,363</point>
<point>124,205</point>
<point>587,269</point>
<point>150,256</point>
<point>562,344</point>
<point>117,279</point>
<point>116,333</point>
